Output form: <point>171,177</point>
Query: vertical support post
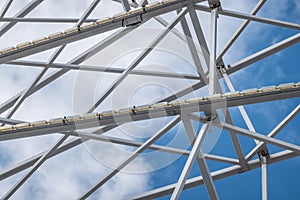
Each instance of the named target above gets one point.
<point>264,178</point>
<point>213,42</point>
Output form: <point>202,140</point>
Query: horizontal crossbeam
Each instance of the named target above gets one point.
<point>138,15</point>
<point>217,175</point>
<point>146,112</point>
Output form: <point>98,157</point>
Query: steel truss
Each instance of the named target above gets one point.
<point>133,16</point>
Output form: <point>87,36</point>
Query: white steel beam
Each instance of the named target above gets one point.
<point>252,17</point>
<point>5,8</point>
<point>77,60</point>
<point>193,49</point>
<point>206,54</point>
<point>260,19</point>
<point>222,159</point>
<point>264,178</point>
<point>34,168</point>
<point>103,69</point>
<point>209,184</point>
<point>155,113</point>
<point>239,30</point>
<point>263,53</point>
<point>182,92</point>
<point>4,120</point>
<point>199,34</point>
<point>125,5</point>
<point>196,151</point>
<point>274,132</point>
<point>97,29</point>
<point>261,137</point>
<point>235,140</point>
<point>27,9</point>
<point>68,145</point>
<point>213,45</point>
<point>84,137</point>
<point>43,20</point>
<point>137,61</point>
<point>4,174</point>
<point>134,155</point>
<point>25,93</point>
<point>87,12</point>
<point>138,144</point>
<point>241,108</point>
<point>133,4</point>
<point>216,175</point>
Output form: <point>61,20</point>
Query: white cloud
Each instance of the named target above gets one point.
<point>72,173</point>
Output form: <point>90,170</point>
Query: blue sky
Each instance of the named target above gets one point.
<point>82,169</point>
<point>280,68</point>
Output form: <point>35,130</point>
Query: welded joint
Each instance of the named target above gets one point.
<point>214,4</point>
<point>244,169</point>
<point>210,116</point>
<point>221,68</point>
<point>264,160</point>
<point>263,155</point>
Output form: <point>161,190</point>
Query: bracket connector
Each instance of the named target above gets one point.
<point>214,4</point>
<point>133,21</point>
<point>263,153</point>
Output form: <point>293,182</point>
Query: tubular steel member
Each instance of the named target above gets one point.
<point>208,65</point>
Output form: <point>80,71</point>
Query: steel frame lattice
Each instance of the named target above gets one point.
<point>133,16</point>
